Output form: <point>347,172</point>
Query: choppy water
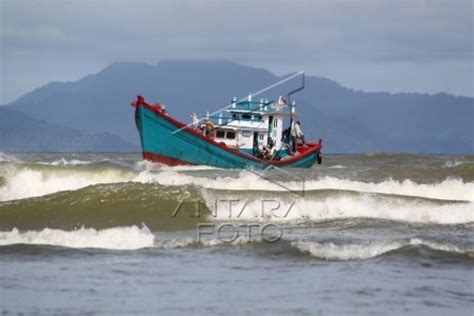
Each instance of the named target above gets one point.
<point>360,234</point>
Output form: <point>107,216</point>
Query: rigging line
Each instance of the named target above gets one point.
<point>243,99</point>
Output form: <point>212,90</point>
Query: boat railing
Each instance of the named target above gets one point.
<point>227,119</point>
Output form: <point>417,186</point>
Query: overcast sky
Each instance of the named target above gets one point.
<point>417,46</point>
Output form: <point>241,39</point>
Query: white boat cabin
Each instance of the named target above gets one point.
<point>249,125</point>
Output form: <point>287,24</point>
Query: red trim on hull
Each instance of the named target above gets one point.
<point>164,159</point>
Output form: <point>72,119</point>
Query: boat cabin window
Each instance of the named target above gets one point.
<point>230,135</point>
<point>246,116</point>
<point>220,134</point>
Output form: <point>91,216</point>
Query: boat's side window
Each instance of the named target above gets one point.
<point>246,116</point>
<point>220,134</point>
<point>231,135</point>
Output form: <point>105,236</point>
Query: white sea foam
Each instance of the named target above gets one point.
<point>337,167</point>
<point>24,182</point>
<point>331,251</point>
<point>118,238</point>
<point>449,189</point>
<point>226,207</point>
<point>204,242</point>
<point>71,162</point>
<point>8,158</point>
<point>453,163</point>
<point>134,237</point>
<point>174,243</point>
<point>145,165</point>
<point>442,246</point>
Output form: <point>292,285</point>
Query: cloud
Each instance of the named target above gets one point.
<point>278,34</point>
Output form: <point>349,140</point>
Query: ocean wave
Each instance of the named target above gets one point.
<point>24,182</point>
<point>135,238</point>
<point>337,167</point>
<point>117,238</point>
<point>326,250</point>
<point>105,206</point>
<point>346,252</point>
<point>453,163</point>
<point>145,165</point>
<point>168,208</point>
<point>227,206</point>
<point>8,158</point>
<point>189,242</point>
<point>334,252</point>
<point>325,198</point>
<point>449,189</point>
<point>70,162</point>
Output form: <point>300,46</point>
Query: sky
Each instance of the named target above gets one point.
<point>411,46</point>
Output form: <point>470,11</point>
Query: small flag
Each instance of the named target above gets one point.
<point>281,100</point>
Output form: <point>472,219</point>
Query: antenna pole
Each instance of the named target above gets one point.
<point>291,104</point>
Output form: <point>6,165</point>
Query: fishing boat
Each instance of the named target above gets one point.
<point>247,134</point>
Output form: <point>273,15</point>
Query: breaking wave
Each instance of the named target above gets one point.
<point>453,163</point>
<point>345,252</point>
<point>101,192</point>
<point>134,238</point>
<point>328,205</point>
<point>330,251</point>
<point>449,189</point>
<point>29,182</point>
<point>147,187</point>
<point>118,238</point>
<point>8,158</point>
<point>70,162</point>
<point>337,167</point>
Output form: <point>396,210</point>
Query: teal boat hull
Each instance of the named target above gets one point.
<point>166,140</point>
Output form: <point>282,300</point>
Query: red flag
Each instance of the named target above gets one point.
<point>282,100</point>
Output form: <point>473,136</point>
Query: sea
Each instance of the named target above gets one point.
<point>111,234</point>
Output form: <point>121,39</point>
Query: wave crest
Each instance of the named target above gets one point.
<point>117,238</point>
<point>346,252</point>
<point>25,182</point>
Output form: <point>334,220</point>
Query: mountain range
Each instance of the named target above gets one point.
<point>22,133</point>
<point>95,115</point>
